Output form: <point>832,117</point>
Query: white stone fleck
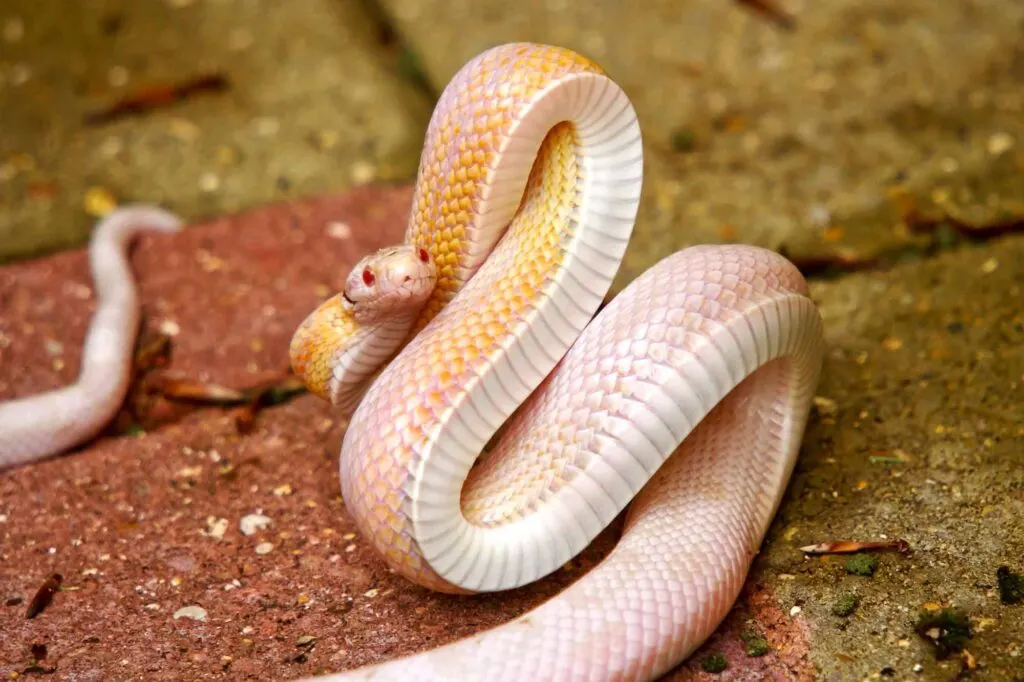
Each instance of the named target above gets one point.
<point>999,143</point>
<point>253,523</point>
<point>240,39</point>
<point>209,181</point>
<point>193,612</point>
<point>169,327</point>
<point>14,29</point>
<point>19,74</point>
<point>338,230</point>
<point>117,76</point>
<point>362,172</point>
<point>266,126</point>
<point>215,528</point>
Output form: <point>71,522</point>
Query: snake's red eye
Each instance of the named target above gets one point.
<point>368,277</point>
<point>424,256</point>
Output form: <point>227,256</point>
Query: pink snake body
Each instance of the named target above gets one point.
<point>685,398</point>
<point>687,395</point>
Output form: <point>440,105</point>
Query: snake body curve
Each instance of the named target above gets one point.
<point>43,425</point>
<point>687,395</point>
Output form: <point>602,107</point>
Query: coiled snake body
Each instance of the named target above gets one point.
<point>686,398</point>
<point>528,188</point>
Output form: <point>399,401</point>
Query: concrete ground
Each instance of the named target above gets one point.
<point>880,145</point>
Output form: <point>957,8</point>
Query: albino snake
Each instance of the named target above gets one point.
<point>687,395</point>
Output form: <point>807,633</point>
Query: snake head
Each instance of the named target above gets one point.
<point>395,281</point>
<point>336,346</point>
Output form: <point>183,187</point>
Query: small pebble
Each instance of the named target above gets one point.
<point>226,156</point>
<point>14,29</point>
<point>169,327</point>
<point>825,406</point>
<point>191,472</point>
<point>989,266</point>
<point>117,76</point>
<point>362,172</point>
<point>20,73</point>
<point>240,39</point>
<point>795,611</point>
<point>999,143</point>
<point>215,528</point>
<point>283,490</point>
<point>99,201</point>
<point>264,548</point>
<point>193,612</point>
<point>183,129</point>
<point>918,667</point>
<point>325,139</point>
<point>209,182</point>
<point>266,126</point>
<point>111,146</point>
<point>892,344</point>
<point>252,523</point>
<point>53,347</point>
<point>337,230</point>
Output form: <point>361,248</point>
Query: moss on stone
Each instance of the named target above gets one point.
<point>845,605</point>
<point>861,564</point>
<point>756,644</point>
<point>715,663</point>
<point>1011,585</point>
<point>948,630</point>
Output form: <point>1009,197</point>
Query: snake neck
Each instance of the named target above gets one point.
<point>338,356</point>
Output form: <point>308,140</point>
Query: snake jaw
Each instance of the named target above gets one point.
<point>311,351</point>
<point>383,294</point>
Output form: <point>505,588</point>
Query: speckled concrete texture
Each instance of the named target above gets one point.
<point>790,140</point>
<point>310,106</point>
<point>915,436</point>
